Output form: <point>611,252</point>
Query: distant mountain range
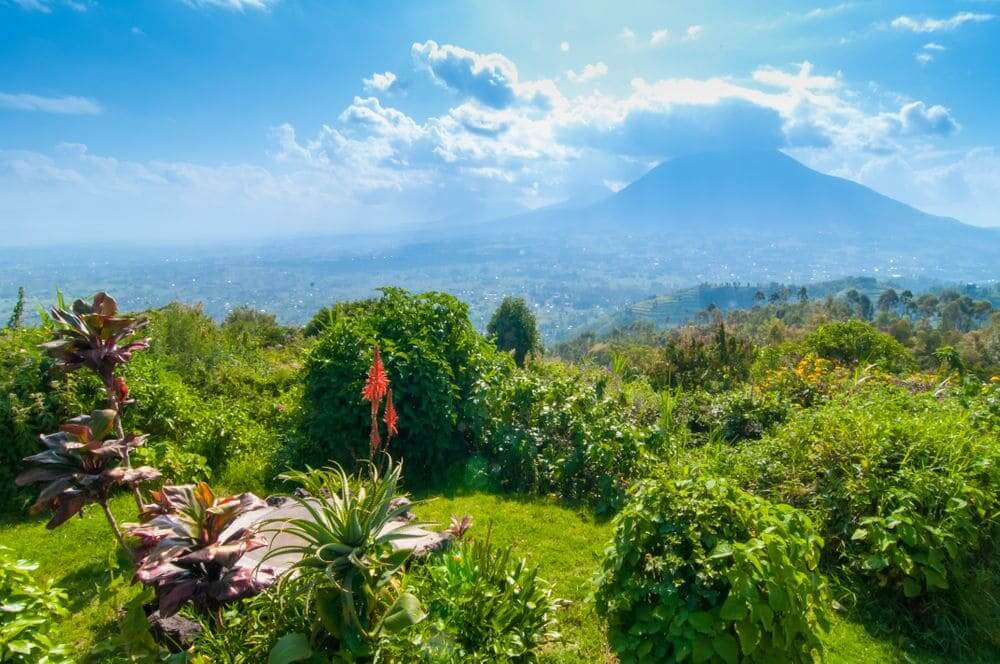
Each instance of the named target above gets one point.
<point>741,211</point>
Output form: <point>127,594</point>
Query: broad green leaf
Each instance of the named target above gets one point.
<point>293,647</point>
<point>726,648</point>
<point>403,613</point>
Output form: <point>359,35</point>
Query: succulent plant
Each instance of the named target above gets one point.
<point>80,467</point>
<point>186,553</point>
<point>93,335</point>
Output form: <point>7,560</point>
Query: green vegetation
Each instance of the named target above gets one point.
<point>29,614</point>
<point>752,487</point>
<point>514,329</point>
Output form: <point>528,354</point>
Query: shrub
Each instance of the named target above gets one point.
<point>856,342</point>
<point>440,369</point>
<point>903,486</point>
<point>28,614</point>
<point>741,414</point>
<point>560,430</point>
<point>514,329</point>
<point>700,569</point>
<point>483,606</point>
<point>32,401</point>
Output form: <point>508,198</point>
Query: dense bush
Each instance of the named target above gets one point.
<point>513,329</point>
<point>903,486</point>
<point>701,570</point>
<point>483,605</point>
<point>560,430</point>
<point>33,400</point>
<point>855,342</point>
<point>736,415</point>
<point>440,369</point>
<point>28,613</point>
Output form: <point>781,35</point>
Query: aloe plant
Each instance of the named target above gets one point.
<point>80,467</point>
<point>188,552</point>
<point>346,557</point>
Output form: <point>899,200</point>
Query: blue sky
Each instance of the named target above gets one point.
<point>203,118</point>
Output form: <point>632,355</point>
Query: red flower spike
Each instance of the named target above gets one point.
<point>390,417</point>
<point>378,380</point>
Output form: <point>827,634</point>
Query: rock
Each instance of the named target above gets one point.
<point>175,630</point>
<point>276,501</point>
<point>398,502</point>
<point>430,543</point>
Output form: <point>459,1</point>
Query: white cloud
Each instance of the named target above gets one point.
<point>825,12</point>
<point>923,58</point>
<point>627,35</point>
<point>588,73</point>
<point>658,37</point>
<point>61,105</point>
<point>379,82</point>
<point>694,32</point>
<point>45,6</point>
<point>918,118</point>
<point>489,78</point>
<point>932,46</point>
<point>137,31</point>
<point>564,46</point>
<point>235,5</point>
<point>938,24</point>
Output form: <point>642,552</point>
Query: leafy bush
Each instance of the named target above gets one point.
<point>483,605</point>
<point>559,430</point>
<point>440,368</point>
<point>28,612</point>
<point>700,569</point>
<point>736,415</point>
<point>514,329</point>
<point>856,342</point>
<point>903,486</point>
<point>32,401</point>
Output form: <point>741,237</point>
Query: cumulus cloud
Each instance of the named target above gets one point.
<point>489,78</point>
<point>379,82</point>
<point>917,118</point>
<point>564,46</point>
<point>627,35</point>
<point>61,105</point>
<point>588,73</point>
<point>923,58</point>
<point>932,46</point>
<point>938,24</point>
<point>694,32</point>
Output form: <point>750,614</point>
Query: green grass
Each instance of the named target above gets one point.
<point>563,542</point>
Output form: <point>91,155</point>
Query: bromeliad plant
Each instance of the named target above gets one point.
<point>189,551</point>
<point>80,467</point>
<point>346,559</point>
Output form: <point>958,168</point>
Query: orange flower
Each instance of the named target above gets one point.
<point>378,380</point>
<point>390,417</point>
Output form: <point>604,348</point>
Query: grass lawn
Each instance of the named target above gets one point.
<point>565,543</point>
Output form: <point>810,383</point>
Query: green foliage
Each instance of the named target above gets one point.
<point>483,606</point>
<point>28,612</point>
<point>514,329</point>
<point>252,327</point>
<point>440,369</point>
<point>701,570</point>
<point>345,555</point>
<point>855,342</point>
<point>14,322</point>
<point>560,430</point>
<point>740,414</point>
<point>32,401</point>
<point>904,487</point>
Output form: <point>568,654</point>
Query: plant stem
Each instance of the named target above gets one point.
<point>115,529</point>
<point>109,388</point>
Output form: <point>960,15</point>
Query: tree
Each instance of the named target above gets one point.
<point>803,294</point>
<point>513,328</point>
<point>888,300</point>
<point>15,316</point>
<point>759,297</point>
